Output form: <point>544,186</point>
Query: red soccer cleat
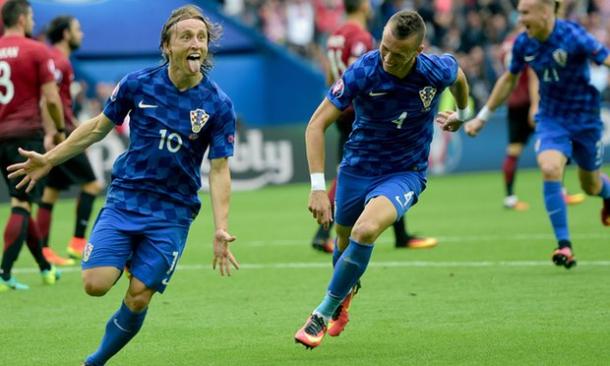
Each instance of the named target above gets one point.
<point>564,257</point>
<point>312,333</point>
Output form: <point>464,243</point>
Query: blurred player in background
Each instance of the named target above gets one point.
<point>176,113</point>
<point>26,75</point>
<point>395,92</point>
<point>521,111</point>
<point>65,35</point>
<point>568,122</point>
<point>344,46</point>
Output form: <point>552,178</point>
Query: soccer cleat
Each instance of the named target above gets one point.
<point>76,247</point>
<point>55,259</point>
<point>311,334</point>
<point>564,257</point>
<point>573,199</point>
<point>416,242</point>
<point>513,203</point>
<point>13,284</point>
<point>606,213</point>
<point>50,276</point>
<point>340,318</point>
<point>322,245</point>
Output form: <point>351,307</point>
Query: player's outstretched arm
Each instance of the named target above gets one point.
<point>324,116</point>
<point>220,195</point>
<point>502,89</point>
<point>37,166</point>
<point>452,121</point>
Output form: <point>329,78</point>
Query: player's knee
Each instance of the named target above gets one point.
<point>95,288</point>
<point>365,231</point>
<point>137,302</point>
<point>551,170</point>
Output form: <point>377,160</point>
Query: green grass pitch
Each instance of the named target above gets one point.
<point>487,295</point>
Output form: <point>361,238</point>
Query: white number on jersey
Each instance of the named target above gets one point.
<point>407,199</point>
<point>400,120</point>
<point>174,141</point>
<point>6,83</point>
<point>550,75</point>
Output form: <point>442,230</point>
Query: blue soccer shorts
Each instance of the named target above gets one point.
<point>151,245</point>
<point>583,144</point>
<point>355,191</point>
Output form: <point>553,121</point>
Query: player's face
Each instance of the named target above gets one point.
<point>398,54</point>
<point>188,46</point>
<point>76,35</point>
<point>29,23</point>
<point>533,16</point>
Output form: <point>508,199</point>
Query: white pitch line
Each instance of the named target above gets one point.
<point>441,239</point>
<point>389,264</point>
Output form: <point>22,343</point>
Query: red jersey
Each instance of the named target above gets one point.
<point>25,65</point>
<point>64,76</point>
<point>520,97</point>
<point>345,45</point>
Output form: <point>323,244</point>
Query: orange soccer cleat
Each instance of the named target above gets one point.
<point>76,247</point>
<point>417,242</point>
<point>573,199</point>
<point>312,333</point>
<point>340,318</point>
<point>56,259</point>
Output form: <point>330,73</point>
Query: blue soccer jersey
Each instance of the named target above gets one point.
<point>393,126</point>
<point>170,131</point>
<point>562,65</point>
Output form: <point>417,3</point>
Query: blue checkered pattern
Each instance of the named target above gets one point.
<point>393,127</point>
<point>562,65</point>
<point>160,172</point>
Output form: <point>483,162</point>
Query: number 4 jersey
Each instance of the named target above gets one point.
<point>170,131</point>
<point>393,127</point>
<point>25,65</point>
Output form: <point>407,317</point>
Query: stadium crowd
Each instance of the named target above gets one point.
<point>472,29</point>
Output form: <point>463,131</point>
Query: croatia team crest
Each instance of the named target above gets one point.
<point>561,57</point>
<point>427,96</point>
<point>199,118</point>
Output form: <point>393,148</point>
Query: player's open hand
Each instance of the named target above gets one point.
<point>32,170</point>
<point>474,126</point>
<point>319,206</point>
<point>222,254</point>
<point>448,121</point>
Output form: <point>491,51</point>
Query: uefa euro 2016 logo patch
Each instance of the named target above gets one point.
<point>199,118</point>
<point>427,96</point>
<point>338,88</point>
<point>87,252</point>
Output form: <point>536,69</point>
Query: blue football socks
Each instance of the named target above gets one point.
<point>348,270</point>
<point>120,329</point>
<point>556,209</point>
